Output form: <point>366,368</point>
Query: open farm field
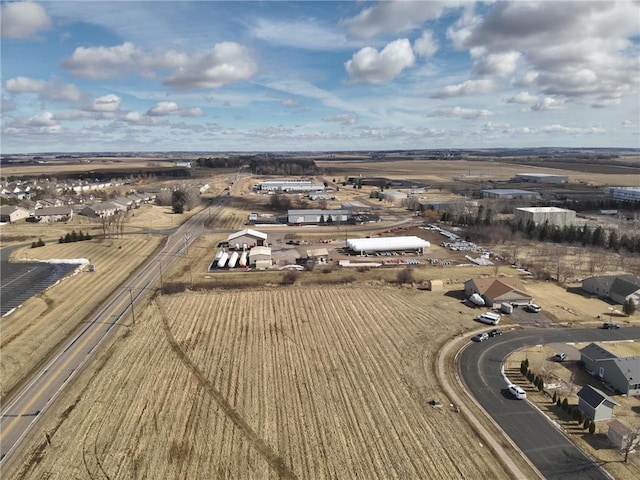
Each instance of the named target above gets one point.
<point>42,322</point>
<point>22,231</point>
<point>287,382</point>
<point>444,171</point>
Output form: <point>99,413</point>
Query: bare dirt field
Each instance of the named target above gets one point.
<point>42,322</point>
<point>444,171</point>
<point>287,382</point>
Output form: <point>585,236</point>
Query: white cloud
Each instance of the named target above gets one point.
<point>23,19</point>
<point>523,97</point>
<point>8,104</point>
<point>547,103</point>
<point>226,63</point>
<point>425,46</point>
<point>47,90</point>
<point>290,102</point>
<point>106,103</point>
<point>580,50</point>
<point>496,64</point>
<point>343,119</point>
<point>369,65</point>
<point>163,109</point>
<point>104,62</point>
<point>459,112</point>
<point>44,119</point>
<point>396,17</point>
<point>468,87</point>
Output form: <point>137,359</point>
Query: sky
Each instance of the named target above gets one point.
<point>95,76</point>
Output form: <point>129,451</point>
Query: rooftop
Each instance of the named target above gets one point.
<point>544,209</point>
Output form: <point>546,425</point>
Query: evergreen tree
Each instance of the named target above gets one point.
<point>40,242</point>
<point>543,233</point>
<point>629,307</point>
<point>599,237</point>
<point>585,235</point>
<point>74,236</point>
<point>614,242</point>
<point>488,218</point>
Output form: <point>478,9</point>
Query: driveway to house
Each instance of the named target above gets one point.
<point>546,446</point>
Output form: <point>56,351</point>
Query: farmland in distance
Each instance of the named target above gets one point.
<point>284,382</point>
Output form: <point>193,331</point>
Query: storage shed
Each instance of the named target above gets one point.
<point>260,256</point>
<point>387,244</point>
<point>318,255</point>
<point>595,404</point>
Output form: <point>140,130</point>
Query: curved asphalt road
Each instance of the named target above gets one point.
<point>553,454</point>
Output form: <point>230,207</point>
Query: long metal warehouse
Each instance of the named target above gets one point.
<point>387,244</point>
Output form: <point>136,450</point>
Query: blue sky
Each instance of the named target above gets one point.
<point>269,76</point>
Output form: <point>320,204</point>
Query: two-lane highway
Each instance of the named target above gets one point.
<point>24,409</point>
<point>546,446</point>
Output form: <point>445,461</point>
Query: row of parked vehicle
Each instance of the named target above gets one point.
<point>481,337</point>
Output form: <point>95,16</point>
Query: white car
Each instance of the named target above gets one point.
<point>533,308</point>
<point>517,391</point>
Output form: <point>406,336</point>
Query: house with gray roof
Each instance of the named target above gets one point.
<point>617,288</point>
<point>53,214</point>
<point>620,373</point>
<point>595,404</point>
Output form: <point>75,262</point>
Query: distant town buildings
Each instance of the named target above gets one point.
<point>538,215</point>
<point>627,194</point>
<point>289,186</point>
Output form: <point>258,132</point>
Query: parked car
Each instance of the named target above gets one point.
<point>517,391</point>
<point>533,308</point>
<point>610,326</point>
<point>495,332</point>
<point>560,356</point>
<point>481,337</point>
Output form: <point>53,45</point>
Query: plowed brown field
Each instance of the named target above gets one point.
<point>289,382</point>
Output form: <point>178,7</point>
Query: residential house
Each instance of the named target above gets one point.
<point>12,213</point>
<point>122,203</point>
<point>99,210</point>
<point>620,373</point>
<point>53,214</point>
<point>595,404</point>
<point>502,290</point>
<point>617,288</point>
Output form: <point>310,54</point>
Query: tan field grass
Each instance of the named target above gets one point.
<point>285,382</point>
<point>31,332</point>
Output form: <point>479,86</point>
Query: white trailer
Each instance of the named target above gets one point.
<point>243,259</point>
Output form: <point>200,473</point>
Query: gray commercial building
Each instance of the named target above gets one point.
<point>540,178</point>
<point>538,215</point>
<point>290,186</point>
<point>509,193</point>
<point>317,216</point>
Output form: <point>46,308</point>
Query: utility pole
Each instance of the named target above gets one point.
<point>133,314</point>
<point>161,280</point>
